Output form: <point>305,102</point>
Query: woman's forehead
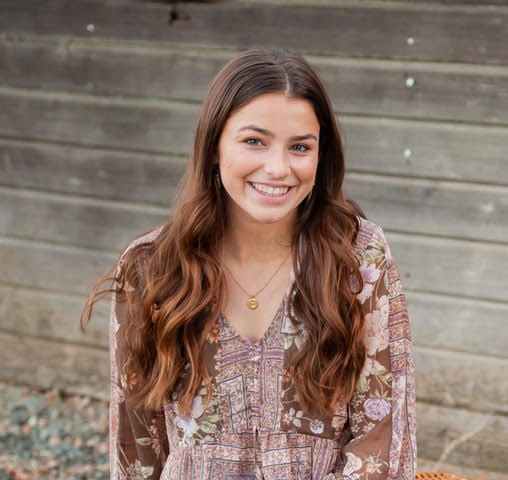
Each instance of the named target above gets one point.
<point>275,113</point>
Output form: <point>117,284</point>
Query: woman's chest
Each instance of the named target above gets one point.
<point>251,315</point>
<point>250,389</point>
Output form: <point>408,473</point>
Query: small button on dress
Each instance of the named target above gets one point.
<point>254,427</point>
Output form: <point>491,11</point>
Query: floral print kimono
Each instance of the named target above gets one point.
<point>254,428</point>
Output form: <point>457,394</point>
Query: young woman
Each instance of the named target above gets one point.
<point>262,332</point>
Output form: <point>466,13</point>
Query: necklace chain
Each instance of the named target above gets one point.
<point>252,302</point>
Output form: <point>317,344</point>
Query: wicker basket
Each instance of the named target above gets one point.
<point>438,476</point>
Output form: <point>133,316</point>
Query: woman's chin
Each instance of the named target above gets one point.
<point>271,217</point>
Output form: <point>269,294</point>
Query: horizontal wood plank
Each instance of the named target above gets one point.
<point>370,31</point>
<point>470,439</point>
<point>53,267</point>
<point>445,378</point>
<point>432,207</point>
<point>462,380</point>
<point>163,127</point>
<point>98,121</point>
<point>49,364</point>
<point>425,207</point>
<point>444,92</point>
<point>52,316</point>
<point>105,174</point>
<point>83,66</point>
<point>440,92</point>
<point>427,264</point>
<point>80,222</point>
<point>426,149</point>
<point>375,145</point>
<point>379,2</point>
<point>436,321</point>
<point>458,323</point>
<point>448,266</point>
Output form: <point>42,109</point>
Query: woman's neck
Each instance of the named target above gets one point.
<point>256,243</point>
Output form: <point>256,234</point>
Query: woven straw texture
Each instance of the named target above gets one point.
<point>438,476</point>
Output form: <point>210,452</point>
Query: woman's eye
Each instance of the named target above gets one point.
<point>304,146</point>
<point>254,142</point>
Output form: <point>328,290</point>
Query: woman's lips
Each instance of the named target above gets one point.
<point>272,198</point>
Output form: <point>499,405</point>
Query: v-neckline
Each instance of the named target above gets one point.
<point>282,305</point>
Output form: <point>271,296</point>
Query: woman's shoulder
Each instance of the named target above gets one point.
<point>144,238</point>
<point>368,233</point>
<point>372,245</point>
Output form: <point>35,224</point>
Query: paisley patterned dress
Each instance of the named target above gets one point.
<point>254,428</point>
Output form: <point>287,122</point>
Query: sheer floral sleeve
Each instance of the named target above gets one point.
<point>382,410</point>
<point>138,439</point>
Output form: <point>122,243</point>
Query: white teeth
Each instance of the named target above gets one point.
<point>270,190</point>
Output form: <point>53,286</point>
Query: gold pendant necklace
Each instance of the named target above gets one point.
<point>252,302</point>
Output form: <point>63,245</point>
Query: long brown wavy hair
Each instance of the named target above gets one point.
<point>178,271</point>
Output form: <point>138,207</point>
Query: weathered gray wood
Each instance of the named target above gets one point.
<point>81,222</point>
<point>172,72</point>
<point>436,321</point>
<point>115,175</point>
<point>441,91</point>
<point>460,2</point>
<point>462,380</point>
<point>50,364</point>
<point>55,268</point>
<point>437,32</point>
<point>426,149</point>
<point>87,120</point>
<point>427,264</point>
<point>448,266</point>
<point>378,2</point>
<point>455,93</point>
<point>432,207</point>
<point>52,316</point>
<point>458,323</point>
<point>398,204</point>
<point>484,436</point>
<point>418,148</point>
<point>443,377</point>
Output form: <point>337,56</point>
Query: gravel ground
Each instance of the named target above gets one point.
<point>52,435</point>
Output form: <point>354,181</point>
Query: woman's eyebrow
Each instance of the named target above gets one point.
<point>270,134</point>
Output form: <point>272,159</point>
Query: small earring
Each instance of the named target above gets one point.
<point>216,174</point>
<point>309,195</point>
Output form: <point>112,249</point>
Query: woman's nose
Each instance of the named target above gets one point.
<point>277,165</point>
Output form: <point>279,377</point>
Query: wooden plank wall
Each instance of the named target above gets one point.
<point>98,105</point>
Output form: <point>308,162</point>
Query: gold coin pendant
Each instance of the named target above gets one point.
<point>252,303</point>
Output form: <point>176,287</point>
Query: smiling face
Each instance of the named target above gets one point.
<point>268,156</point>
